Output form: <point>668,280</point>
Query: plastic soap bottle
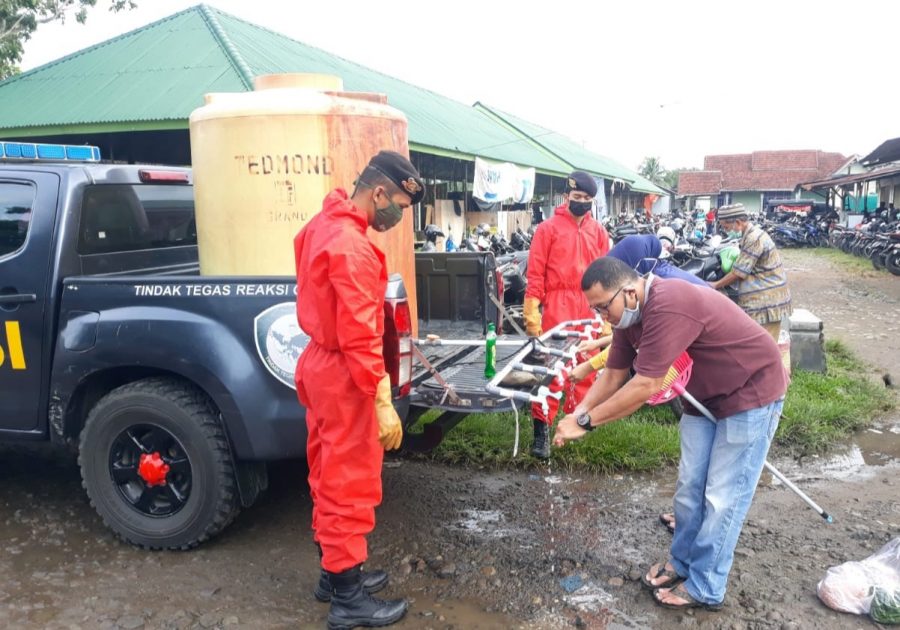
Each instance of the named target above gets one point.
<point>490,351</point>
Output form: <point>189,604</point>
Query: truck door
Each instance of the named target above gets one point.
<point>27,215</point>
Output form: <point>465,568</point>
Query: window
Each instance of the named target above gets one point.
<point>15,215</point>
<point>125,217</point>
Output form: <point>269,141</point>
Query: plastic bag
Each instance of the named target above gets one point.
<point>851,587</point>
<point>885,607</point>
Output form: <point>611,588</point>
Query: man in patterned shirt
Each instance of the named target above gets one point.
<point>762,283</point>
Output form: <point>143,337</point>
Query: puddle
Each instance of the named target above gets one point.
<point>598,609</point>
<point>425,612</point>
<point>871,452</point>
<point>486,524</point>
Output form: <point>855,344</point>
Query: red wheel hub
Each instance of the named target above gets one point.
<point>153,469</point>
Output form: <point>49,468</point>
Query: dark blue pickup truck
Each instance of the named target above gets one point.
<point>175,389</point>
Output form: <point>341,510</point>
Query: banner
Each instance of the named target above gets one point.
<point>805,208</point>
<point>496,182</point>
<point>599,211</point>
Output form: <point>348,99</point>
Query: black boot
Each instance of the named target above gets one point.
<point>541,446</point>
<point>372,582</point>
<point>351,606</point>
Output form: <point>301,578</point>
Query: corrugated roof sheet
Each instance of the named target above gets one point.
<point>564,148</point>
<point>572,153</point>
<point>158,72</point>
<point>161,71</point>
<point>868,176</point>
<point>644,185</point>
<point>887,151</point>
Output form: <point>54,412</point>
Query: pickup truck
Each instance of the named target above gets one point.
<point>175,389</point>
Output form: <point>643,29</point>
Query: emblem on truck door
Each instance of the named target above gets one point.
<point>279,340</point>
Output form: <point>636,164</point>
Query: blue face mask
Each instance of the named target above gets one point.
<point>735,234</point>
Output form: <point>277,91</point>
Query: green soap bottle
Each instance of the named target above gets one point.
<point>490,352</point>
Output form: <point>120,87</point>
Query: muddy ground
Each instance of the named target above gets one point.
<point>474,548</point>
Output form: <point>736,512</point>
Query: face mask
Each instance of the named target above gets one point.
<point>580,208</point>
<point>386,218</point>
<point>630,316</point>
<point>734,234</point>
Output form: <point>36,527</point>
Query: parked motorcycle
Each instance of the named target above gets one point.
<point>513,271</point>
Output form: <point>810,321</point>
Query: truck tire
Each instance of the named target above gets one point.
<point>156,465</point>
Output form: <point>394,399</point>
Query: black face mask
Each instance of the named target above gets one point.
<point>580,208</point>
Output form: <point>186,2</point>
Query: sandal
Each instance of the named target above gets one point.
<point>689,602</point>
<point>668,519</point>
<point>672,578</point>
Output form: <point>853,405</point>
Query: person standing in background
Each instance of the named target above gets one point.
<point>562,248</point>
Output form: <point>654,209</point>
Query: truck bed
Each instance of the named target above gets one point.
<point>462,367</point>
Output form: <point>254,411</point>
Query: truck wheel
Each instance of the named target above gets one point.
<point>156,465</point>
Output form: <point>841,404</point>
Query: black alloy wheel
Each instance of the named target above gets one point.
<point>151,469</point>
<point>157,466</point>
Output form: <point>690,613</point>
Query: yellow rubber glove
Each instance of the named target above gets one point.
<point>390,429</point>
<point>598,361</point>
<point>531,311</point>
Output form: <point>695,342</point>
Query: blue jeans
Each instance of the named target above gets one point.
<point>720,466</point>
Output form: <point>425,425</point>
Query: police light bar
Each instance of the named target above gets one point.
<point>50,152</point>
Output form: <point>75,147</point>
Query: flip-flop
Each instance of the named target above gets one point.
<point>673,578</point>
<point>667,523</point>
<point>690,601</point>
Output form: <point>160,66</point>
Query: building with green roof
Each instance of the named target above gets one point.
<point>132,96</point>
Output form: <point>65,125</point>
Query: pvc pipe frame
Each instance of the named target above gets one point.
<point>777,473</point>
<point>493,386</point>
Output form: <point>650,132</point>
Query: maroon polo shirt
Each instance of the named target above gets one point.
<point>737,365</point>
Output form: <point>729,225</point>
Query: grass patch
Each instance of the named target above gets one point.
<point>823,408</point>
<point>820,409</point>
<point>845,260</point>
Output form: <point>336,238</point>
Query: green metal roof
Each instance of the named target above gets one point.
<point>576,156</point>
<point>644,185</point>
<point>153,77</point>
<point>565,148</point>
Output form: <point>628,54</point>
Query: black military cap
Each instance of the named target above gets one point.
<point>579,180</point>
<point>400,171</point>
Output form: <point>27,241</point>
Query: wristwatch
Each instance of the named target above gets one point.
<point>584,422</point>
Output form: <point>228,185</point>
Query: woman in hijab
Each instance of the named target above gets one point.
<point>641,253</point>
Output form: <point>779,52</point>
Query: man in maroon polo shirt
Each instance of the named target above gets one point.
<point>737,375</point>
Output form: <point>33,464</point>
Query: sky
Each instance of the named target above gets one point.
<point>673,79</point>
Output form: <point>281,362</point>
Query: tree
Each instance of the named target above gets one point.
<point>20,18</point>
<point>651,168</point>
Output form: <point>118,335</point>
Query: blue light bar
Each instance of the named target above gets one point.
<point>48,152</point>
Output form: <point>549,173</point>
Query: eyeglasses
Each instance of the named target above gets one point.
<point>605,307</point>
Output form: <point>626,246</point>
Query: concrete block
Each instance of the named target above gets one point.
<point>807,341</point>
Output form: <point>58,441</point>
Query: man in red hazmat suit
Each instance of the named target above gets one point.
<point>562,248</point>
<point>341,380</point>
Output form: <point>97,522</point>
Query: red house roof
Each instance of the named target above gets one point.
<point>700,182</point>
<point>758,171</point>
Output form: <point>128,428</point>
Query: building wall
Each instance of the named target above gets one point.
<point>662,205</point>
<point>889,190</point>
<point>752,200</point>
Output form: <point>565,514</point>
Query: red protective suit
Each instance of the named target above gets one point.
<point>560,252</point>
<point>341,281</point>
